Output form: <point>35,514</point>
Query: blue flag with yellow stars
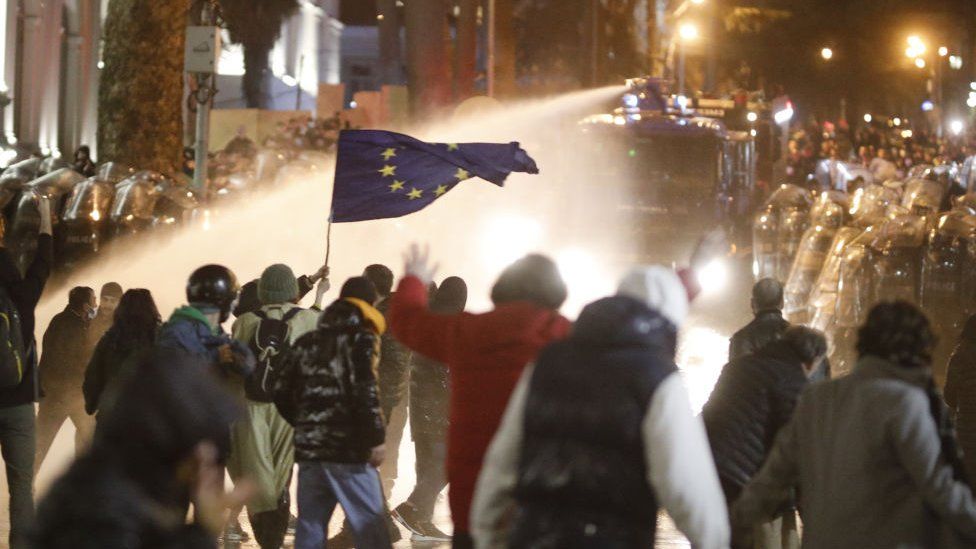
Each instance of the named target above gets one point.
<point>381,174</point>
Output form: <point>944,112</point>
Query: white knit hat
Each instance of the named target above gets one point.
<point>660,288</point>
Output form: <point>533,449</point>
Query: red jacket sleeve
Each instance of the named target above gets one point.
<point>420,330</point>
<point>690,282</point>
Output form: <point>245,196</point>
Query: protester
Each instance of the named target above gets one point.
<point>19,298</point>
<point>108,300</point>
<point>960,394</point>
<point>158,447</point>
<point>67,350</point>
<point>392,377</point>
<point>249,301</point>
<point>485,354</point>
<point>429,395</point>
<point>327,391</point>
<point>134,330</point>
<point>262,449</point>
<point>868,454</point>
<point>768,324</point>
<point>752,400</point>
<point>600,431</point>
<point>196,328</point>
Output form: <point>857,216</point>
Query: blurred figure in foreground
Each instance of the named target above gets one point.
<point>327,391</point>
<point>752,400</point>
<point>960,394</point>
<point>157,448</point>
<point>599,433</point>
<point>429,397</point>
<point>872,454</point>
<point>137,321</point>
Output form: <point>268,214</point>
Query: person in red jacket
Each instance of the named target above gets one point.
<point>485,354</point>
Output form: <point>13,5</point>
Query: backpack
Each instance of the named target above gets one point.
<point>268,344</point>
<point>11,344</point>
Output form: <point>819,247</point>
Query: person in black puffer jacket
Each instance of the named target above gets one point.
<point>753,398</point>
<point>768,324</point>
<point>327,391</point>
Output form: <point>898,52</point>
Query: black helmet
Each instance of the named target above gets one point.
<point>214,285</point>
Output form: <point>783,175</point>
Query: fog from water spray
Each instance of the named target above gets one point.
<point>474,231</point>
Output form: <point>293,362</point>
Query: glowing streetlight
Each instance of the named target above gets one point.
<point>955,62</point>
<point>698,2</point>
<point>752,117</point>
<point>916,43</point>
<point>868,118</point>
<point>911,53</point>
<point>919,62</point>
<point>956,127</point>
<point>896,121</point>
<point>827,54</point>
<point>943,51</point>
<point>688,32</point>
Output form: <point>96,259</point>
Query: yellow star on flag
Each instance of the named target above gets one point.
<point>452,146</point>
<point>388,171</point>
<point>441,189</point>
<point>462,174</point>
<point>415,193</point>
<point>388,153</point>
<point>396,186</point>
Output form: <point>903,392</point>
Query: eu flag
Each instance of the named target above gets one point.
<point>381,174</point>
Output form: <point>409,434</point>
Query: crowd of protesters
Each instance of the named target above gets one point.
<point>887,149</point>
<point>546,433</point>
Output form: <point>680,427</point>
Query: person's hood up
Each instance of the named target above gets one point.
<point>190,313</point>
<point>370,313</point>
<point>660,288</point>
<point>352,313</point>
<point>621,321</point>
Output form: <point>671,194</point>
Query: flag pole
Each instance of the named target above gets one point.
<point>328,241</point>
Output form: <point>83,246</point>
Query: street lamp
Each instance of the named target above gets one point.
<point>698,2</point>
<point>687,32</point>
<point>868,118</point>
<point>827,54</point>
<point>943,51</point>
<point>919,62</point>
<point>916,43</point>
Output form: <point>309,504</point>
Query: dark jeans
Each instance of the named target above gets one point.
<point>431,478</point>
<point>17,449</point>
<point>356,487</point>
<point>52,412</point>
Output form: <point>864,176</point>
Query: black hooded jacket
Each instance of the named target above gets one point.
<point>767,327</point>
<point>327,388</point>
<point>126,492</point>
<point>753,398</point>
<point>582,460</point>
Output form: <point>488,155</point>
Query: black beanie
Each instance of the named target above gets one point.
<point>359,287</point>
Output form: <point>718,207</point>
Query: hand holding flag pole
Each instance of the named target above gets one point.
<point>383,175</point>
